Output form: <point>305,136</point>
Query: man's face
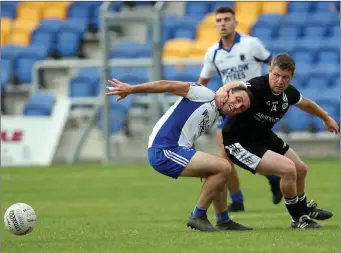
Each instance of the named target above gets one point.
<point>226,24</point>
<point>279,79</point>
<point>237,102</point>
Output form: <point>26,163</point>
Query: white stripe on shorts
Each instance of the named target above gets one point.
<point>178,156</point>
<point>174,159</point>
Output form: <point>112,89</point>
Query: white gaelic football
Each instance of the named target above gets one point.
<point>20,219</point>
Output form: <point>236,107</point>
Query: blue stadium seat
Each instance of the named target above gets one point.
<point>323,19</point>
<point>308,45</point>
<point>215,83</point>
<point>303,57</point>
<point>90,72</point>
<point>94,17</point>
<point>95,12</point>
<point>295,19</point>
<point>198,8</point>
<point>39,104</point>
<point>79,10</point>
<point>170,73</point>
<point>333,111</point>
<point>76,25</point>
<point>185,33</point>
<point>299,7</point>
<point>8,9</point>
<point>263,32</point>
<point>328,57</point>
<point>24,62</point>
<point>282,45</point>
<point>298,81</point>
<point>6,72</point>
<point>297,120</point>
<point>289,32</point>
<point>334,31</point>
<point>331,43</point>
<point>188,23</point>
<point>303,68</point>
<point>118,73</point>
<point>314,32</point>
<point>11,51</point>
<point>84,86</point>
<point>118,113</point>
<point>50,25</point>
<point>136,75</point>
<point>311,93</point>
<point>189,74</point>
<point>269,20</point>
<point>68,43</point>
<point>319,82</point>
<point>329,96</point>
<point>44,38</point>
<point>335,82</point>
<point>327,69</point>
<point>130,49</point>
<point>322,6</point>
<point>215,5</point>
<point>169,24</point>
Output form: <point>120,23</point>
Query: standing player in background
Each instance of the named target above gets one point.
<point>235,57</point>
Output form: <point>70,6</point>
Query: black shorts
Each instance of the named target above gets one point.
<point>247,153</point>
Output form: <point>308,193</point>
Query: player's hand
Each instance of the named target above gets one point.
<point>118,88</point>
<point>221,98</point>
<point>331,125</point>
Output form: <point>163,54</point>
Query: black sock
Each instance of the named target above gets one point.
<point>303,200</point>
<point>294,207</point>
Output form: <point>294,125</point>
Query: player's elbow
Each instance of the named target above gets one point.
<point>203,81</point>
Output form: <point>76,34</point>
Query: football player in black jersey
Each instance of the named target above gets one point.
<point>251,144</point>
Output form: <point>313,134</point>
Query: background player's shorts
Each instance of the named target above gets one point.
<point>221,122</point>
<point>171,161</point>
<point>248,153</point>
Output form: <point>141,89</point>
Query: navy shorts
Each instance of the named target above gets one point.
<point>221,122</point>
<point>170,161</point>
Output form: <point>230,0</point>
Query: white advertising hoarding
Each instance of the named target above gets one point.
<point>27,141</point>
<point>32,140</point>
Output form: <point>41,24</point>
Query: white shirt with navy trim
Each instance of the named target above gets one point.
<point>186,120</point>
<point>241,63</point>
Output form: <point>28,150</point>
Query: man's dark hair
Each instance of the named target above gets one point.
<point>240,88</point>
<point>224,9</point>
<point>284,62</point>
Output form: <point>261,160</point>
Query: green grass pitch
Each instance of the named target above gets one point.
<point>131,208</point>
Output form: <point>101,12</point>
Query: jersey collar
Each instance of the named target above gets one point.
<point>236,40</point>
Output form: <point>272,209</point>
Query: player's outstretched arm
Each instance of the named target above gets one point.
<point>312,108</point>
<point>221,94</point>
<point>123,89</point>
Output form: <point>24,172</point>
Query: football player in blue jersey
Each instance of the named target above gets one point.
<point>170,147</point>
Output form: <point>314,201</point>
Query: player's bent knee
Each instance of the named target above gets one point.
<point>225,167</point>
<point>301,169</point>
<point>289,170</point>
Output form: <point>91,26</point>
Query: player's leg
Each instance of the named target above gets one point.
<point>311,207</point>
<point>277,145</point>
<point>216,171</point>
<point>184,162</point>
<point>233,184</point>
<point>224,222</point>
<point>256,158</point>
<point>276,164</point>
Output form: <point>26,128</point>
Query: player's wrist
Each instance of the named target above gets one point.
<point>325,116</point>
